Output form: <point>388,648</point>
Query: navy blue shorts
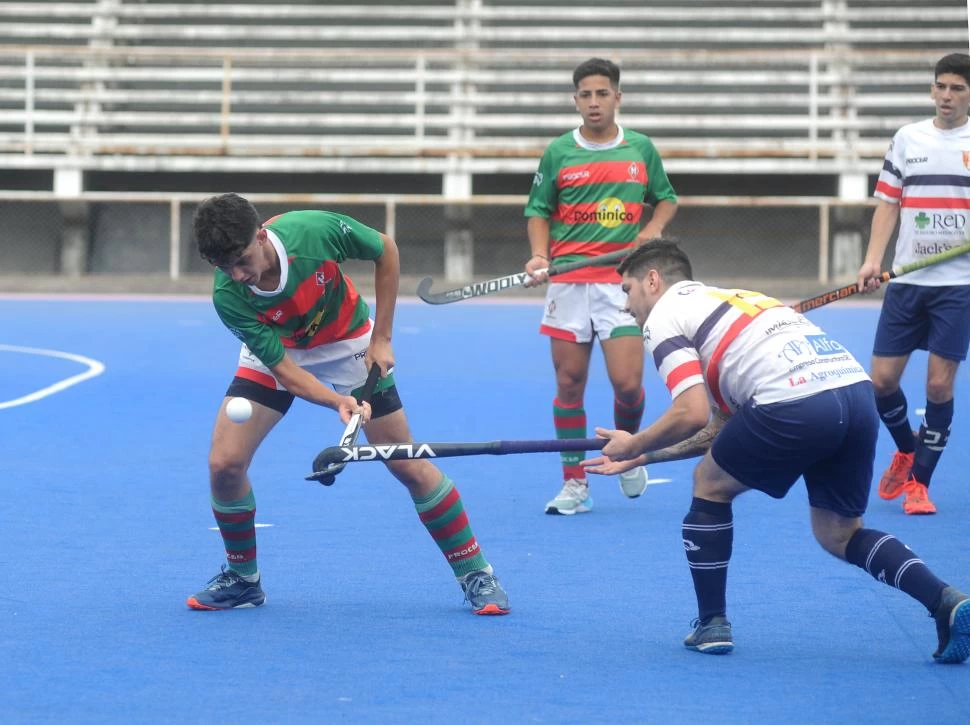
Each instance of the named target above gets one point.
<point>829,438</point>
<point>916,317</point>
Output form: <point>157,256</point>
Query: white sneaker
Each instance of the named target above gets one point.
<point>573,499</point>
<point>634,482</point>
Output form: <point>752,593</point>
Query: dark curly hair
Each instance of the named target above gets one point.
<point>662,255</point>
<point>224,226</point>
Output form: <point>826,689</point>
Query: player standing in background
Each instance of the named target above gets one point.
<point>925,184</point>
<point>800,405</point>
<point>279,288</point>
<point>587,199</point>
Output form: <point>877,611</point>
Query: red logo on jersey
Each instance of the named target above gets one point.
<point>966,160</point>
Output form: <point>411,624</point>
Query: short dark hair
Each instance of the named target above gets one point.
<point>956,63</point>
<point>662,255</point>
<point>224,226</point>
<point>598,67</point>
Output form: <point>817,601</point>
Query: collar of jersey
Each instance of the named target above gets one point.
<point>590,146</point>
<point>284,267</point>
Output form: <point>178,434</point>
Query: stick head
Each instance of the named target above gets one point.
<point>326,466</point>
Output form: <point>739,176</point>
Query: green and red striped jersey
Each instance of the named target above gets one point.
<point>316,304</point>
<point>593,196</point>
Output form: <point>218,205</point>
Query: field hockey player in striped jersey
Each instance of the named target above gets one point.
<point>800,406</point>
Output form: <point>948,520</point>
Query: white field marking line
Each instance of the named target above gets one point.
<point>95,368</point>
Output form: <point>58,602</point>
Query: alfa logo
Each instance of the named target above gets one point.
<point>921,220</point>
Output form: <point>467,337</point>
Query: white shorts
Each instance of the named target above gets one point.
<point>338,364</point>
<point>579,310</point>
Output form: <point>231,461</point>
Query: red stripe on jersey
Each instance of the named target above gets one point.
<point>267,381</point>
<point>590,213</point>
<point>590,275</point>
<point>713,367</point>
<point>589,249</point>
<point>338,329</point>
<point>682,372</point>
<point>935,202</point>
<point>309,292</point>
<point>602,172</point>
<point>892,191</point>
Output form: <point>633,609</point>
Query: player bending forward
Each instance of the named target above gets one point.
<point>799,405</point>
<point>279,288</point>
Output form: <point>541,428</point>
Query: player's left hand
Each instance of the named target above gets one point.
<point>649,232</point>
<point>604,466</point>
<point>380,351</point>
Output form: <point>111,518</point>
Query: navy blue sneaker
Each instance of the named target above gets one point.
<point>484,592</point>
<point>953,627</point>
<point>227,590</point>
<point>712,638</point>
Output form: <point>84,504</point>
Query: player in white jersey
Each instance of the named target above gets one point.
<point>799,405</point>
<point>925,186</point>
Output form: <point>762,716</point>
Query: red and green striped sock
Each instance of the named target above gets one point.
<point>237,524</point>
<point>443,515</point>
<point>570,420</point>
<point>628,417</point>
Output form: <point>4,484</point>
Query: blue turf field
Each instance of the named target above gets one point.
<point>106,529</point>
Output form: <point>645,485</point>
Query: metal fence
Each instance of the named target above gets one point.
<point>769,240</point>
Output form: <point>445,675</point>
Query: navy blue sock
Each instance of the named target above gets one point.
<point>890,561</point>
<point>894,413</point>
<point>934,432</point>
<point>708,538</point>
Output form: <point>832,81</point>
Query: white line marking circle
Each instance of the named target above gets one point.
<point>95,368</point>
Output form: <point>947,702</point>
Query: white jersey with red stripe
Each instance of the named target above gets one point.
<point>927,172</point>
<point>744,346</point>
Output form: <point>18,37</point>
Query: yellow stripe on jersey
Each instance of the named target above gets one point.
<point>750,303</point>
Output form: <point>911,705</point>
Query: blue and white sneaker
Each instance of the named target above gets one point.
<point>227,590</point>
<point>953,627</point>
<point>574,498</point>
<point>634,482</point>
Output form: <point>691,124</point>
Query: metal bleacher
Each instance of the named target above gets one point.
<point>463,86</point>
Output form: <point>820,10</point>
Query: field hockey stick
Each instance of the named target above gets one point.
<point>851,289</point>
<point>500,284</point>
<point>327,474</point>
<point>342,455</point>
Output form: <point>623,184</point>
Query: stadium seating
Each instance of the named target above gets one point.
<point>465,85</point>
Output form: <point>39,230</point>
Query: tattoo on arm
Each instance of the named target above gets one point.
<point>697,445</point>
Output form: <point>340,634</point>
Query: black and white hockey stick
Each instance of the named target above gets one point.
<point>327,473</point>
<point>500,284</point>
<point>342,455</point>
